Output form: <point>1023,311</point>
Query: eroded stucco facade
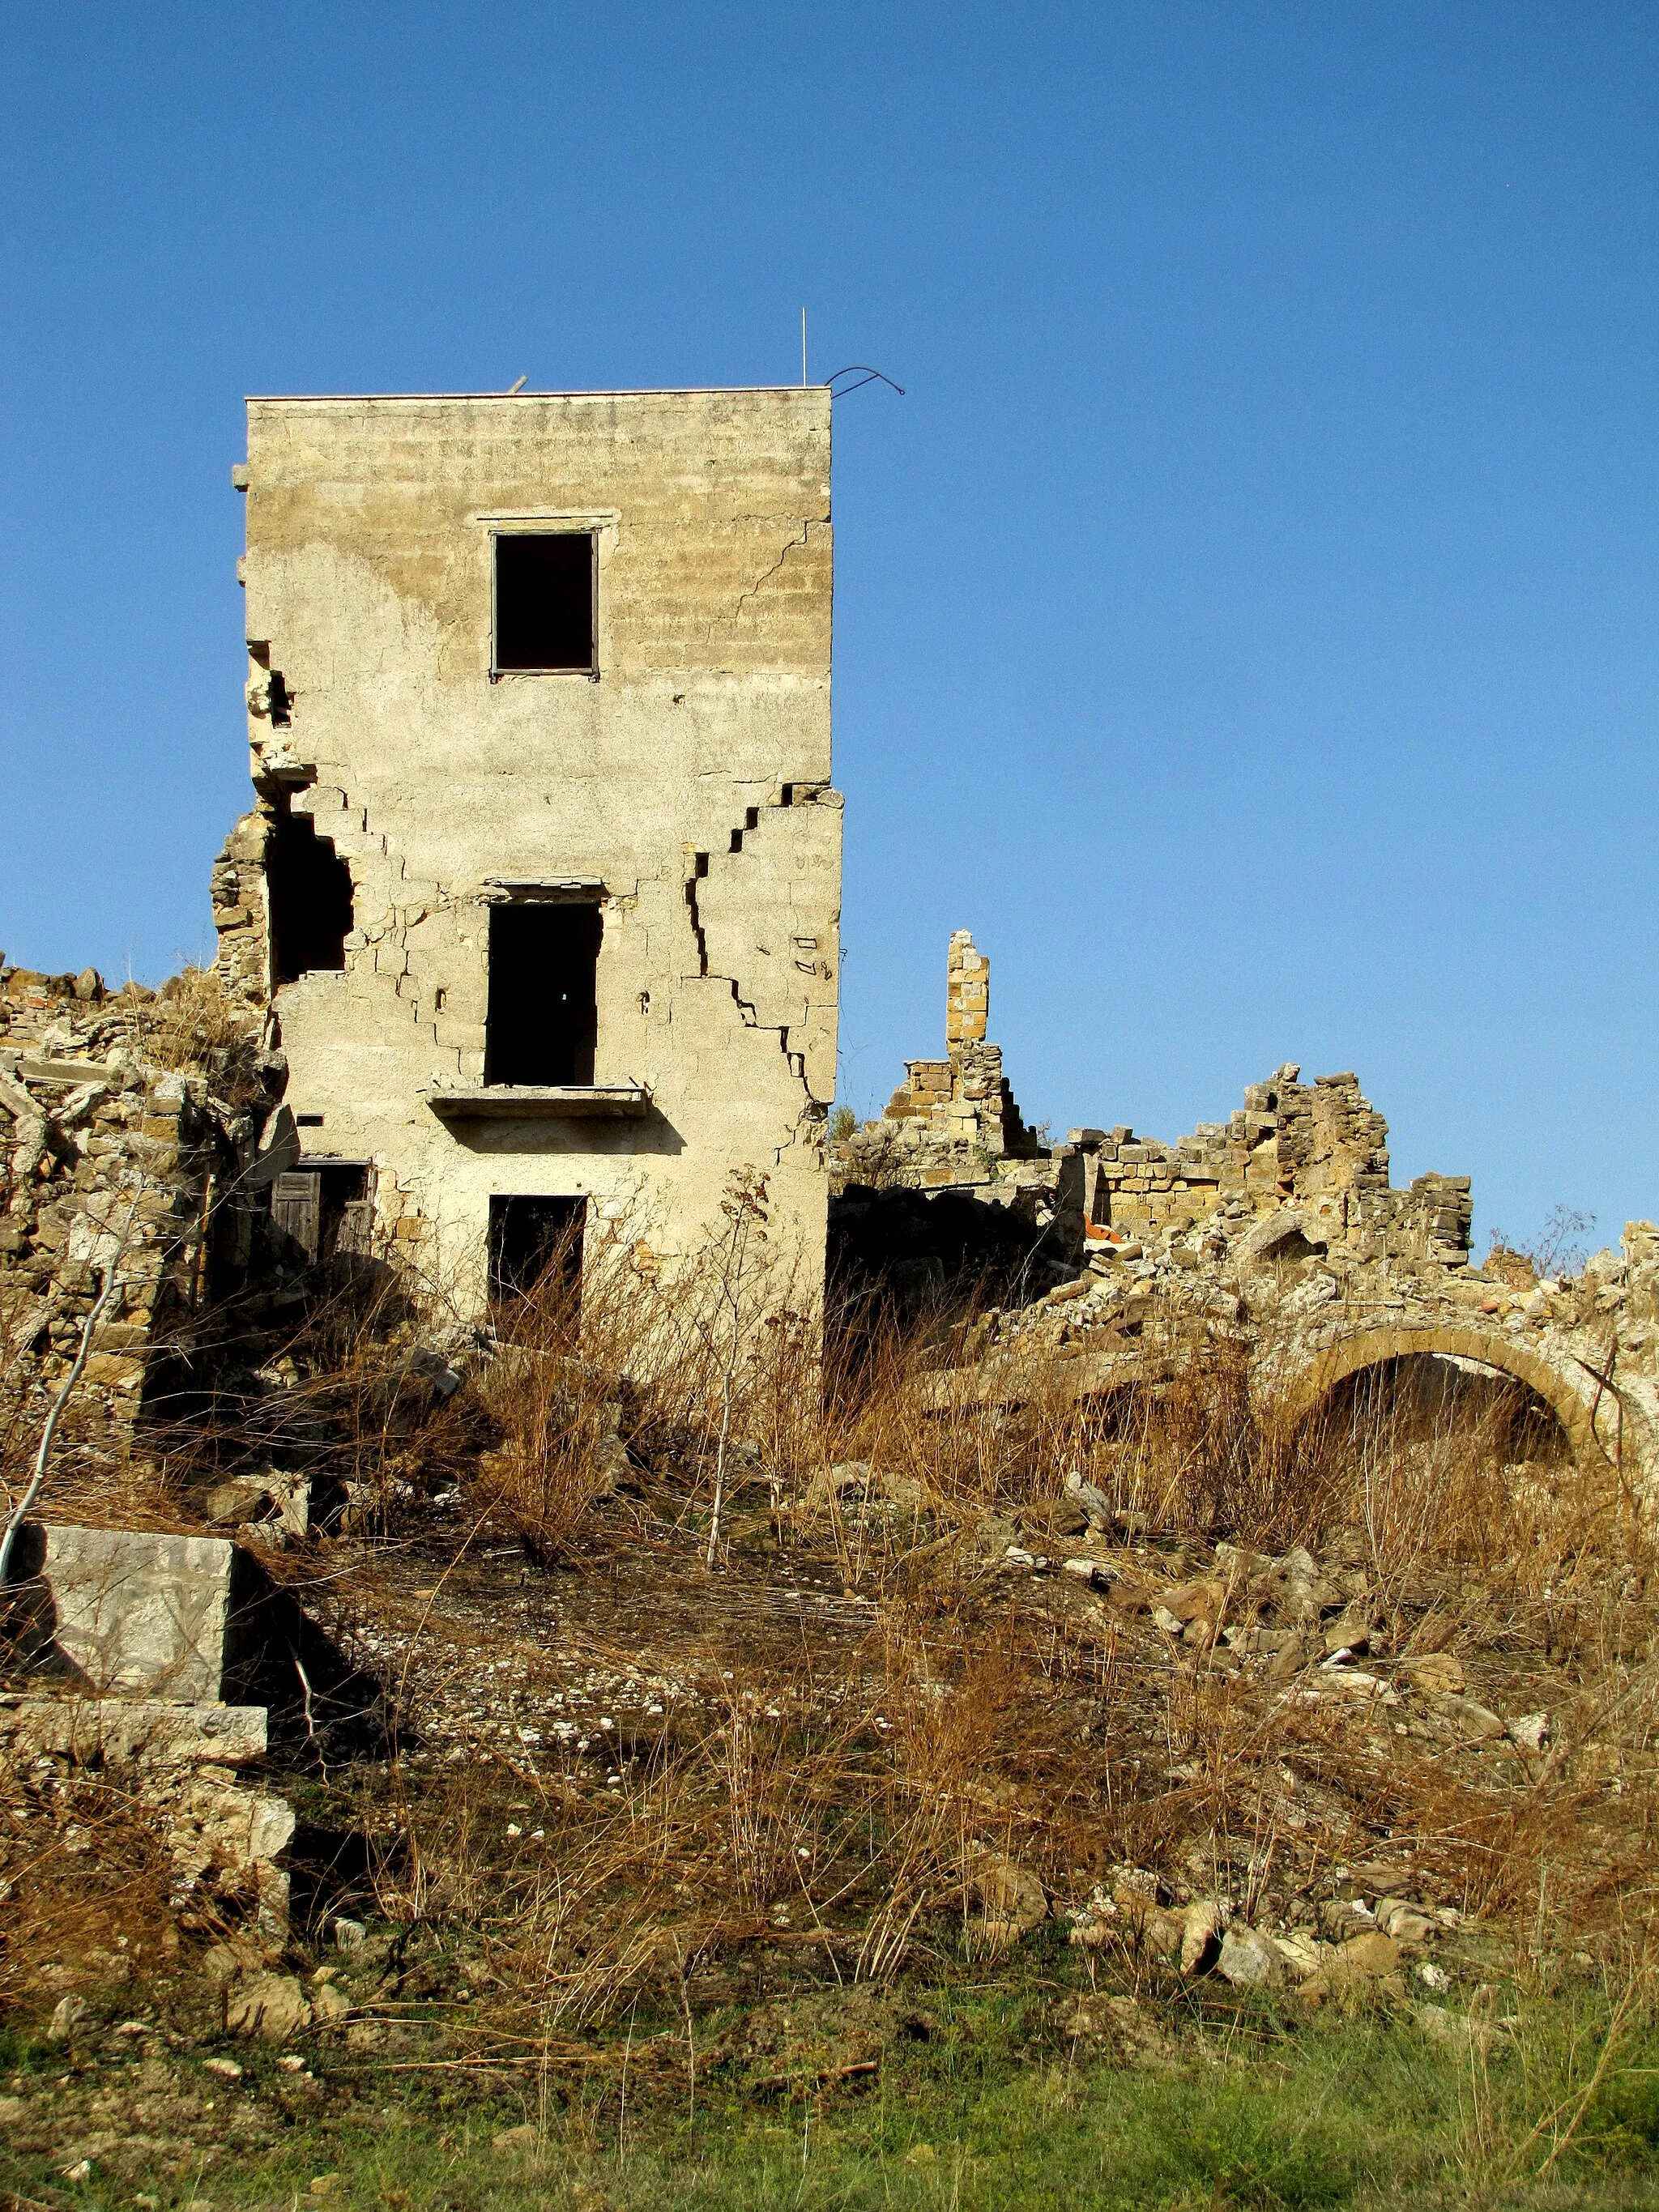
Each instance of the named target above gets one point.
<point>682,785</point>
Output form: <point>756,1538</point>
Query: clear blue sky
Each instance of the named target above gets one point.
<point>1246,625</point>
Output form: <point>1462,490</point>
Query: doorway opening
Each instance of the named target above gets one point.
<point>326,1206</point>
<point>533,1240</point>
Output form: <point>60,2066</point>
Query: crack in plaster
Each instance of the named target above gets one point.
<point>795,1061</point>
<point>791,545</point>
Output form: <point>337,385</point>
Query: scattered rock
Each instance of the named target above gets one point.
<point>1454,2029</point>
<point>1054,1518</point>
<point>1096,1505</point>
<point>1404,1922</point>
<point>1011,1896</point>
<point>1199,1934</point>
<point>1474,1722</point>
<point>1369,1957</point>
<point>67,2015</point>
<point>271,2006</point>
<point>1248,1960</point>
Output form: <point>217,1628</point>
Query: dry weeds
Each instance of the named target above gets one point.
<point>844,1803</point>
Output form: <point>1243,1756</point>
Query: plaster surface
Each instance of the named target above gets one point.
<point>686,781</point>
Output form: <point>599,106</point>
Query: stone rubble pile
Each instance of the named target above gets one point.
<point>114,1161</point>
<point>1279,1226</point>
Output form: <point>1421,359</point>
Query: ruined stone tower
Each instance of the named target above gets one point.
<point>542,887</point>
<point>958,1115</point>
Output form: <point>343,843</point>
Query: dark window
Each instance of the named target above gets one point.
<point>543,1010</point>
<point>531,1237</point>
<point>309,887</point>
<point>545,601</point>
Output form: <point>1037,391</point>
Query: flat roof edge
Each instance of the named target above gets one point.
<point>641,392</point>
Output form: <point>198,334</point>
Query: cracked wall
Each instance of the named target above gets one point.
<point>684,789</point>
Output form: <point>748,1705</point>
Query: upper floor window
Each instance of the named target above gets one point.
<point>545,593</point>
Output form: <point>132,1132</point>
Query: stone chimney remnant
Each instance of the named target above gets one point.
<point>967,992</point>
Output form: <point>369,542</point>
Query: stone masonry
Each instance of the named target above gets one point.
<point>110,1162</point>
<point>665,784</point>
<point>1281,1224</point>
<point>952,1122</point>
<point>1319,1147</point>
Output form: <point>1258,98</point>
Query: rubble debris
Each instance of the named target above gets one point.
<point>116,1159</point>
<point>1278,1228</point>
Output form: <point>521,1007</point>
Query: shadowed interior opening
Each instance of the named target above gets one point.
<point>544,1008</point>
<point>1429,1397</point>
<point>309,888</point>
<point>545,601</point>
<point>529,1236</point>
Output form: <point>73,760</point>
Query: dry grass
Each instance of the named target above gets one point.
<point>190,1018</point>
<point>845,1807</point>
<point>848,1803</point>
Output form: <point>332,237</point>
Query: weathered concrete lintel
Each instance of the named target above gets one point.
<point>103,1731</point>
<point>67,1071</point>
<point>522,1101</point>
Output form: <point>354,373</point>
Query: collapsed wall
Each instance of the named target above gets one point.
<point>1321,1148</point>
<point>108,1161</point>
<point>1278,1228</point>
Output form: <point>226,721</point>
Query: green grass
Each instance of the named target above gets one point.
<point>987,2111</point>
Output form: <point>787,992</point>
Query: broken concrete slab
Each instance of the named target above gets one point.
<point>185,1620</point>
<point>108,1731</point>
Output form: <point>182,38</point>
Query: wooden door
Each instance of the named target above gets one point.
<point>296,1204</point>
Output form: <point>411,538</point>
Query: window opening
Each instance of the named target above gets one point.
<point>543,1018</point>
<point>545,601</point>
<point>532,1238</point>
<point>325,1207</point>
<point>309,888</point>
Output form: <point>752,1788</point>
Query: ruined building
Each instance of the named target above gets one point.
<point>1281,1222</point>
<point>543,886</point>
<point>1312,1157</point>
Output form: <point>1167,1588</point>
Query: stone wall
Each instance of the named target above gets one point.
<point>952,1122</point>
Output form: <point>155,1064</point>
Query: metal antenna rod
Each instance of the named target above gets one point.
<point>803,349</point>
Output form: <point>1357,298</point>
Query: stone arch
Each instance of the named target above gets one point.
<point>1571,1402</point>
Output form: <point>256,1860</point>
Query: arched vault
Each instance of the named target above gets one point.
<point>1587,1410</point>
